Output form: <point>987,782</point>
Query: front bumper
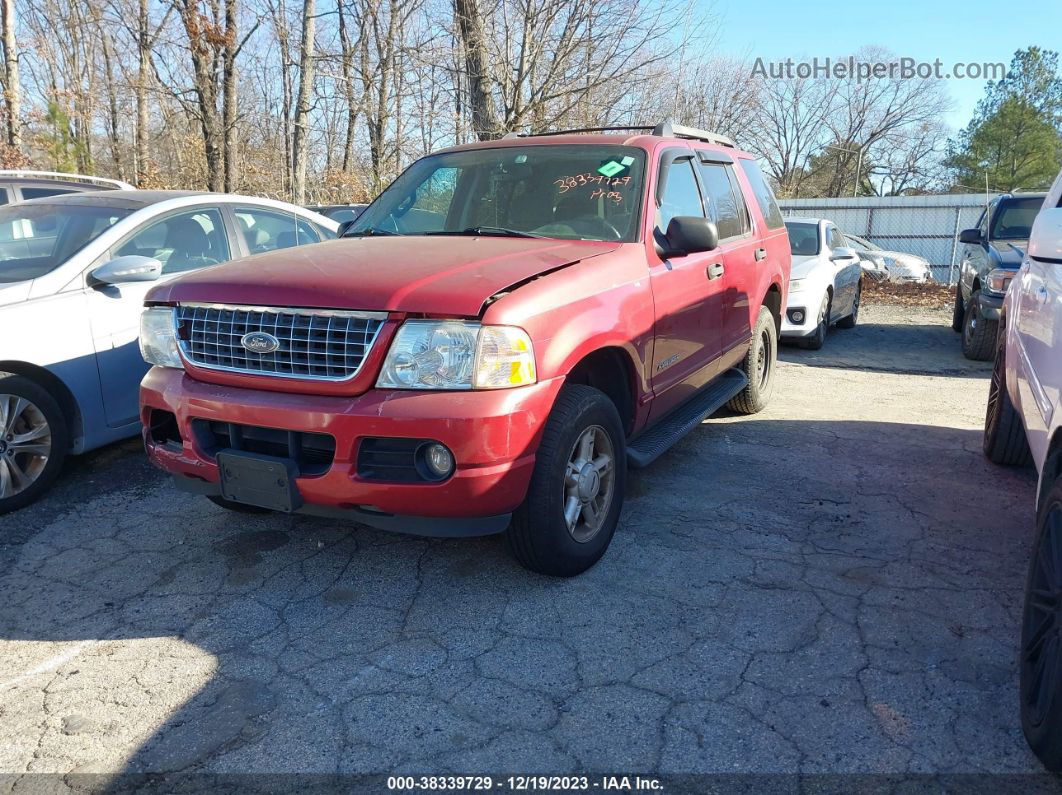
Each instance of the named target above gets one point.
<point>991,306</point>
<point>493,436</point>
<point>805,327</point>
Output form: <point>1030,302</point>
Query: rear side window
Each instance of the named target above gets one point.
<point>681,194</point>
<point>43,193</point>
<point>764,195</point>
<point>266,230</point>
<point>3,196</point>
<point>725,205</point>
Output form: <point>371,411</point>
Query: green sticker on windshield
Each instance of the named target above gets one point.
<point>611,168</point>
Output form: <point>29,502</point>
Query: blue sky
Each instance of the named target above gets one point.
<point>952,30</point>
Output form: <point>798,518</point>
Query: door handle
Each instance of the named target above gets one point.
<point>715,270</point>
<point>1041,294</point>
<point>761,253</point>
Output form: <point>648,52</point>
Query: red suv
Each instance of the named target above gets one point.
<point>494,340</point>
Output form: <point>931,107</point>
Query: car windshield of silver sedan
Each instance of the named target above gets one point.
<point>35,239</point>
<point>567,192</point>
<point>803,238</point>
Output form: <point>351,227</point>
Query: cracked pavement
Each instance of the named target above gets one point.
<point>833,585</point>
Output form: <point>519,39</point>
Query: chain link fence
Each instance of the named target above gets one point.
<point>925,226</point>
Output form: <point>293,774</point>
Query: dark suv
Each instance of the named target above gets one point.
<point>991,255</point>
<point>18,185</point>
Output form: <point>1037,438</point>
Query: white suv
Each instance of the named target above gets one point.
<point>1024,422</point>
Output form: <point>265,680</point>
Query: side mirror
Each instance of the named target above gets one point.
<point>689,234</point>
<point>971,236</point>
<point>1045,242</point>
<point>843,252</point>
<point>343,227</point>
<point>131,268</point>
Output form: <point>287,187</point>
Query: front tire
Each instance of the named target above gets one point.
<point>958,312</point>
<point>758,366</point>
<point>34,441</point>
<point>1040,666</point>
<point>978,334</point>
<point>1004,439</point>
<point>573,502</point>
<point>852,319</point>
<point>818,339</point>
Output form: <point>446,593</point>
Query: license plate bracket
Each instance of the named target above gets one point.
<point>264,481</point>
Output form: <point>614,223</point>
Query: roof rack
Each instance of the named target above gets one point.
<point>60,176</point>
<point>664,130</point>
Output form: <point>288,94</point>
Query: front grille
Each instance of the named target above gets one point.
<point>313,452</point>
<point>321,345</point>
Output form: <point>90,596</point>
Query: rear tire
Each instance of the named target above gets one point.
<point>34,441</point>
<point>758,366</point>
<point>978,335</point>
<point>1040,663</point>
<point>1004,439</point>
<point>958,312</point>
<point>852,319</point>
<point>818,339</point>
<point>541,537</point>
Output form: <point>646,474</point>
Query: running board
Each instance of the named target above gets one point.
<point>683,419</point>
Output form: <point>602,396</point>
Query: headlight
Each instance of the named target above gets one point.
<point>998,280</point>
<point>454,354</point>
<point>158,337</point>
<point>796,285</point>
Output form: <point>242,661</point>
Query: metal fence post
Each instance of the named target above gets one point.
<point>954,245</point>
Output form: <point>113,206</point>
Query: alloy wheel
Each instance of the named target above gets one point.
<point>1041,652</point>
<point>25,444</point>
<point>589,483</point>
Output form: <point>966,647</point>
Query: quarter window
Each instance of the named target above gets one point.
<point>183,242</point>
<point>681,194</point>
<point>44,193</point>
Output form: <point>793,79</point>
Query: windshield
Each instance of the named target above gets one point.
<point>570,192</point>
<point>37,238</point>
<point>803,239</point>
<point>1014,218</point>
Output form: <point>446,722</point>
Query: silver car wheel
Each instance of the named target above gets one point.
<point>25,444</point>
<point>589,482</point>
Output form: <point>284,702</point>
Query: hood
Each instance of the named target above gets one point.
<point>804,265</point>
<point>1009,253</point>
<point>421,274</point>
<point>14,292</point>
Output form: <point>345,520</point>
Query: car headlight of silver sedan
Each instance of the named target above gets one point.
<point>158,337</point>
<point>457,354</point>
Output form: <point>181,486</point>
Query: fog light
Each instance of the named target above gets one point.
<point>439,459</point>
<point>797,316</point>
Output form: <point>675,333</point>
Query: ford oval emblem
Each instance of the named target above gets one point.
<point>260,342</point>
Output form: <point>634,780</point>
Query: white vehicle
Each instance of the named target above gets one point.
<point>74,270</point>
<point>826,282</point>
<point>1024,421</point>
<point>894,266</point>
<point>23,185</point>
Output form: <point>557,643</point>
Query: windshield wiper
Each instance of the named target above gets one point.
<point>372,231</point>
<point>498,231</point>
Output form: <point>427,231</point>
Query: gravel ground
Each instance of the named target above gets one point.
<point>833,585</point>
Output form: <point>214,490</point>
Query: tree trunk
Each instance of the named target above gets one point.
<point>470,25</point>
<point>12,90</point>
<point>143,76</point>
<point>346,64</point>
<point>228,102</point>
<point>302,102</point>
<point>206,93</point>
<point>113,128</point>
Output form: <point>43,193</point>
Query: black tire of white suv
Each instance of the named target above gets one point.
<point>958,312</point>
<point>1004,438</point>
<point>758,366</point>
<point>1040,686</point>
<point>851,320</point>
<point>540,536</point>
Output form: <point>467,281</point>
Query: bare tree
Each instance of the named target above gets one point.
<point>307,65</point>
<point>12,87</point>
